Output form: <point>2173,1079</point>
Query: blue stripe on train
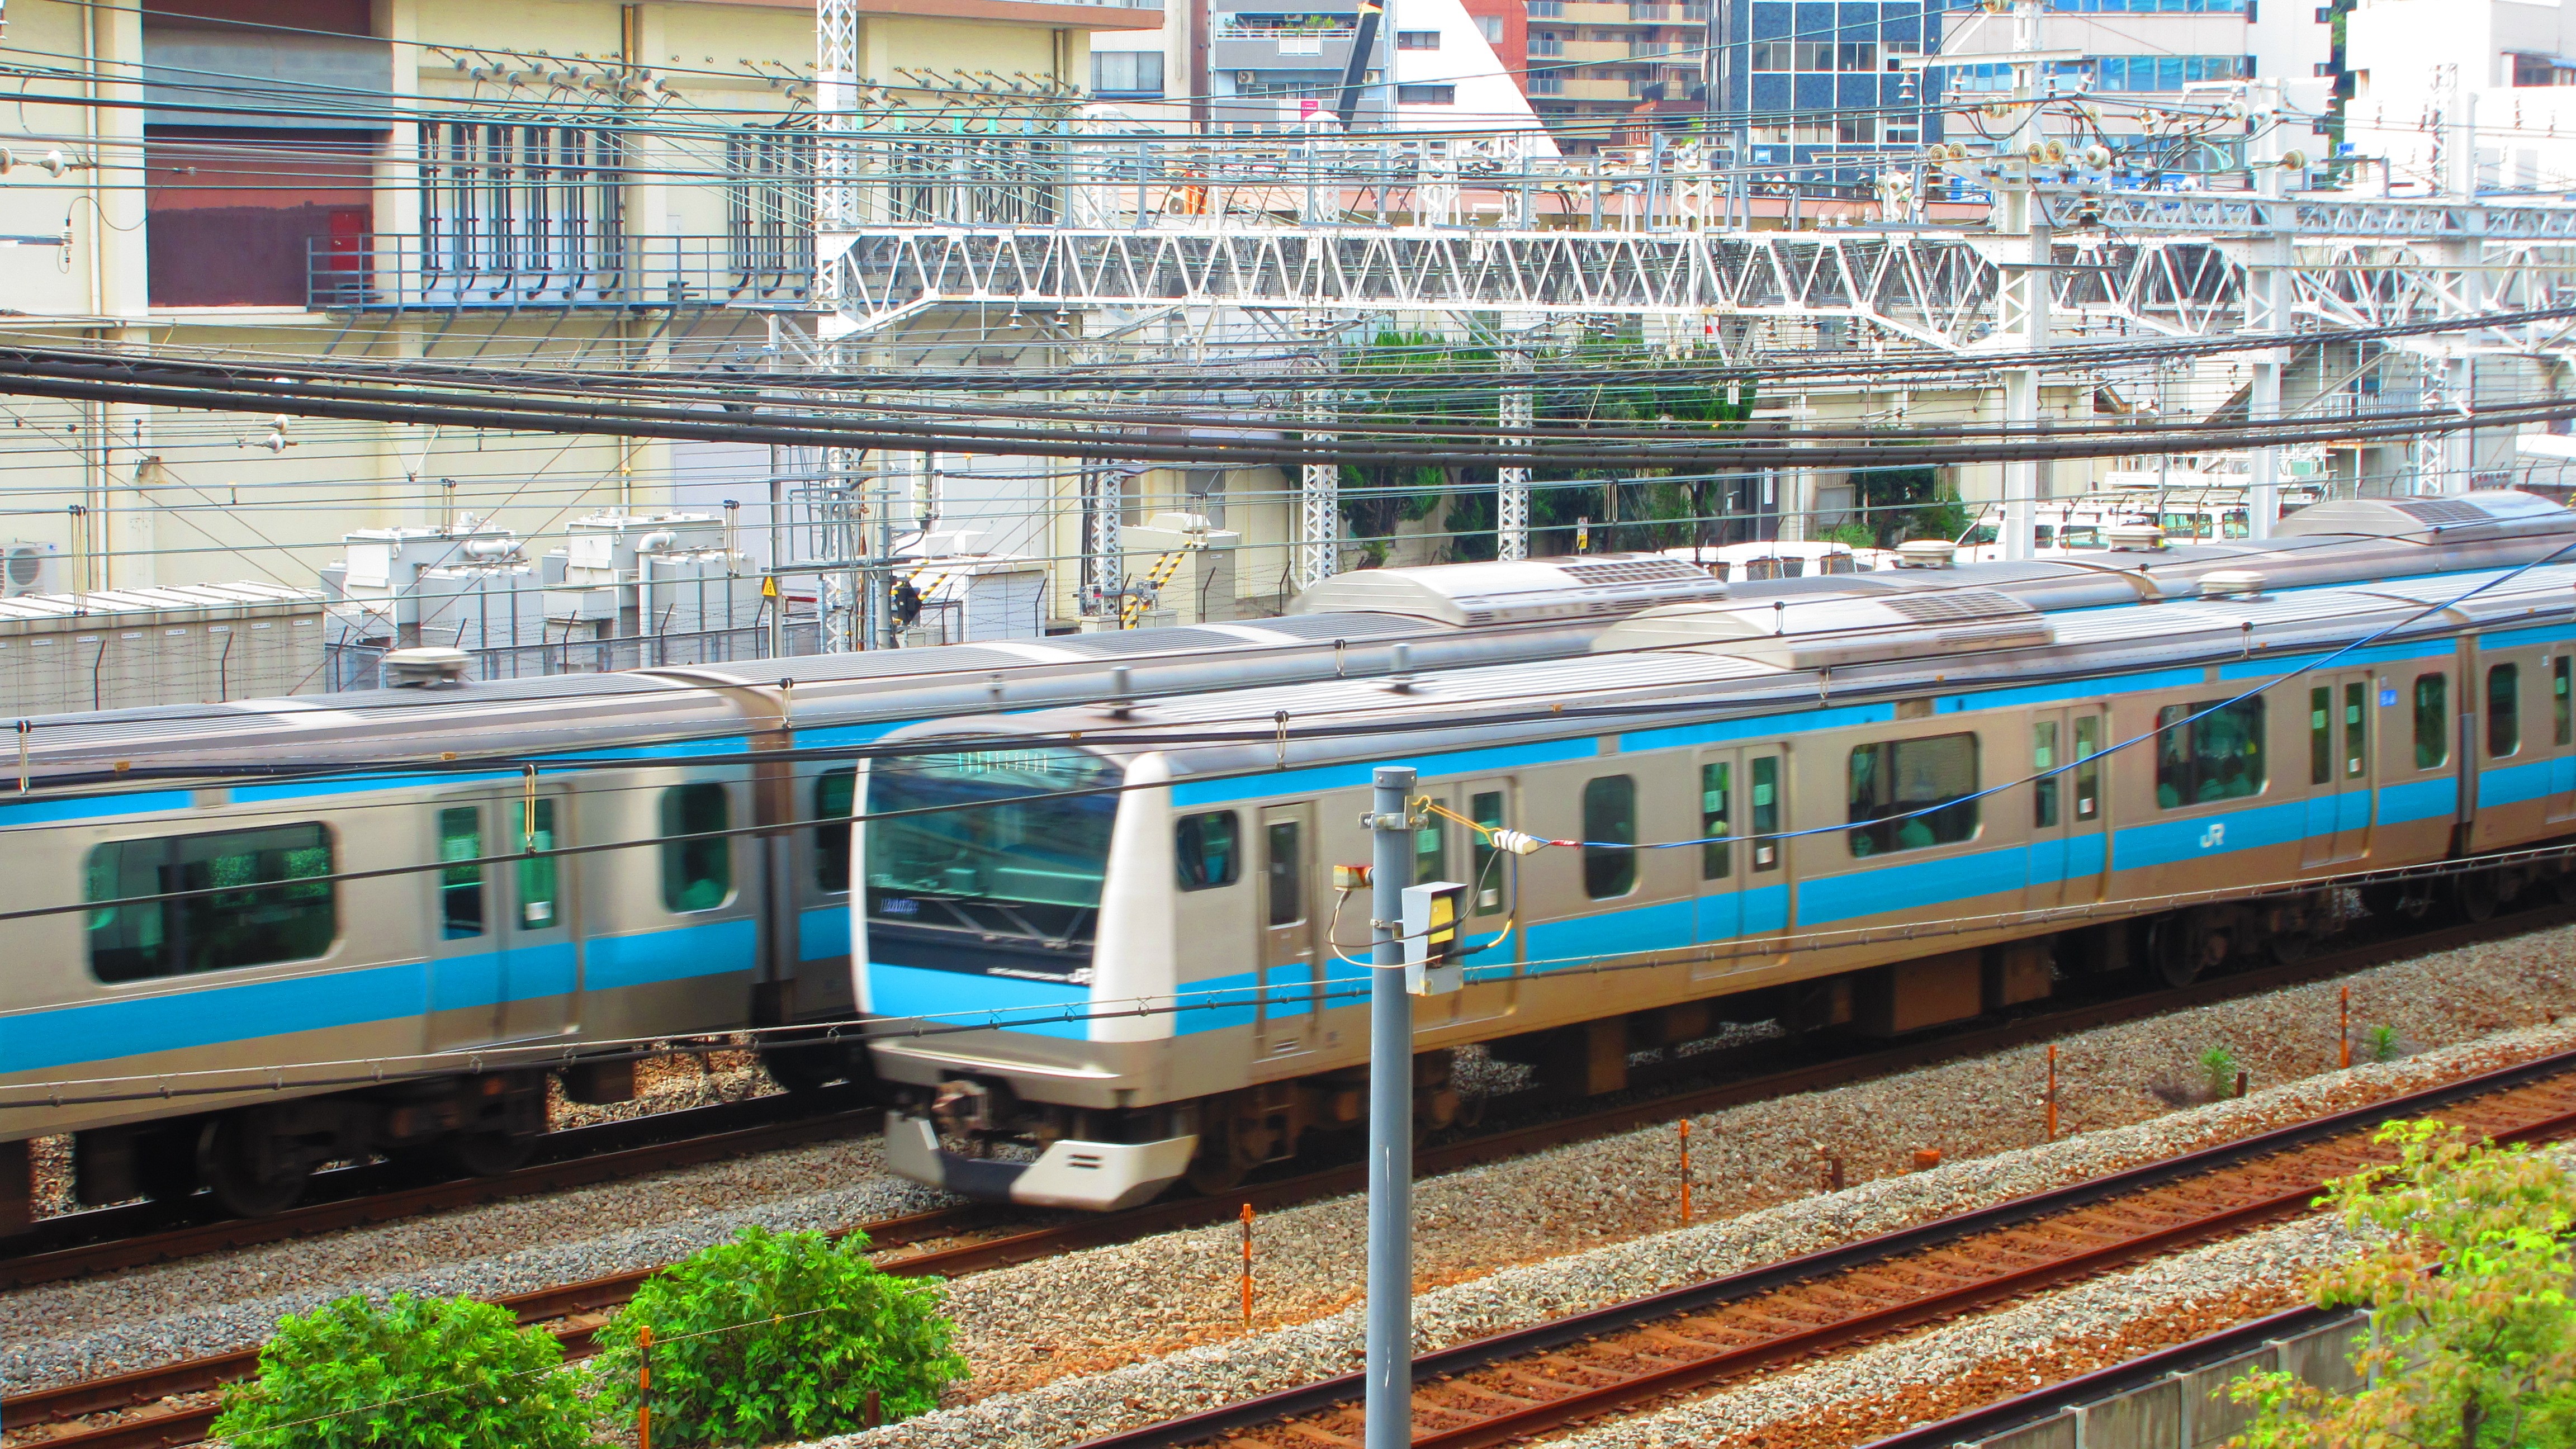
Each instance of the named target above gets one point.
<point>942,995</point>
<point>203,1012</point>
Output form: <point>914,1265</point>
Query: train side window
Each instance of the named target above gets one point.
<point>2043,760</point>
<point>1716,803</point>
<point>2432,720</point>
<point>539,907</point>
<point>1764,781</point>
<point>1431,847</point>
<point>2356,730</point>
<point>833,792</point>
<point>460,880</point>
<point>697,875</point>
<point>2088,766</point>
<point>2562,722</point>
<point>1909,794</point>
<point>2218,756</point>
<point>1208,848</point>
<point>1286,880</point>
<point>1609,828</point>
<point>2504,710</point>
<point>2321,736</point>
<point>272,901</point>
<point>1486,809</point>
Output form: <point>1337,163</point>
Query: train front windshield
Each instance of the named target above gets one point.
<point>1001,873</point>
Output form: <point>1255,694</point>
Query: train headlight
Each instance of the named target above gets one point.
<point>1433,946</point>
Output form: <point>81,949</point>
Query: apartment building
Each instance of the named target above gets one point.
<point>2453,96</point>
<point>559,180</point>
<point>1596,66</point>
<point>1246,67</point>
<point>2142,59</point>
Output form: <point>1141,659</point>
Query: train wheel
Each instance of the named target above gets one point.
<point>2182,947</point>
<point>248,1177</point>
<point>489,1154</point>
<point>1216,1176</point>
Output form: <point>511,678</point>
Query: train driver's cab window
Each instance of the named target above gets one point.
<point>697,874</point>
<point>2504,711</point>
<point>2432,721</point>
<point>833,792</point>
<point>1908,794</point>
<point>269,899</point>
<point>1209,849</point>
<point>1609,833</point>
<point>2208,750</point>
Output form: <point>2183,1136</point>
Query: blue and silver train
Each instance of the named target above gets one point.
<point>1108,936</point>
<point>245,939</point>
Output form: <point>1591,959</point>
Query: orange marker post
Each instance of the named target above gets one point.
<point>2343,1027</point>
<point>2052,1092</point>
<point>1686,1214</point>
<point>644,1386</point>
<point>1247,1267</point>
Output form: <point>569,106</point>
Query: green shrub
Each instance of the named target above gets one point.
<point>776,1336</point>
<point>2383,1044</point>
<point>2218,1066</point>
<point>419,1373</point>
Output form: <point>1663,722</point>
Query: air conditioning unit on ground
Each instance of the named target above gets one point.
<point>31,568</point>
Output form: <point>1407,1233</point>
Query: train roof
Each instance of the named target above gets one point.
<point>1745,659</point>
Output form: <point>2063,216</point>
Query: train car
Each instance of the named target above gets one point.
<point>245,939</point>
<point>1115,942</point>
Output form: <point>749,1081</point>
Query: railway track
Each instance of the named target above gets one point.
<point>1000,1240</point>
<point>1516,1386</point>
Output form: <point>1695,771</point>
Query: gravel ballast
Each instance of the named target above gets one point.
<point>1076,1300</point>
<point>1089,1312</point>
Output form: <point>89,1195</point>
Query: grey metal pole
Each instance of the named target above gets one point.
<point>1390,1148</point>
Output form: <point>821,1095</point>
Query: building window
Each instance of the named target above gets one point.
<point>769,199</point>
<point>1545,42</point>
<point>1546,82</point>
<point>1490,27</point>
<point>1609,835</point>
<point>2216,757</point>
<point>1856,130</point>
<point>2432,721</point>
<point>1443,95</point>
<point>1546,9</point>
<point>1208,849</point>
<point>1856,55</point>
<point>1127,72</point>
<point>1902,793</point>
<point>271,900</point>
<point>2157,7</point>
<point>1771,55</point>
<point>1417,40</point>
<point>697,873</point>
<point>514,197</point>
<point>2155,72</point>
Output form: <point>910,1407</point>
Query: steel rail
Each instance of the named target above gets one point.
<point>188,1425</point>
<point>1332,1393</point>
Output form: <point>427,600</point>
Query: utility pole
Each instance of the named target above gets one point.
<point>2267,275</point>
<point>1390,1144</point>
<point>2024,296</point>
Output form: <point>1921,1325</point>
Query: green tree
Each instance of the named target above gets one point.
<point>778,1336</point>
<point>417,1373</point>
<point>2470,1272</point>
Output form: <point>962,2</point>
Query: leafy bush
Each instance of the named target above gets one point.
<point>2218,1069</point>
<point>2471,1250</point>
<point>2383,1044</point>
<point>422,1373</point>
<point>778,1336</point>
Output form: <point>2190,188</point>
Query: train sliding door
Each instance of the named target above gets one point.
<point>2339,771</point>
<point>1743,895</point>
<point>1493,960</point>
<point>1290,983</point>
<point>2069,848</point>
<point>503,966</point>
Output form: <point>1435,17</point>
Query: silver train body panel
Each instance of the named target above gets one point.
<point>1768,723</point>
